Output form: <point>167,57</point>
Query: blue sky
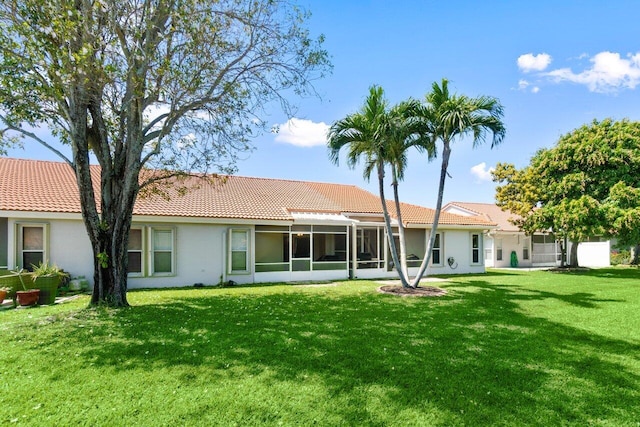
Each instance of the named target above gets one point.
<point>554,65</point>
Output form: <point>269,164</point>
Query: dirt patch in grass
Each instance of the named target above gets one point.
<point>420,291</point>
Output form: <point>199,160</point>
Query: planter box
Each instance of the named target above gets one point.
<point>13,281</point>
<point>48,286</point>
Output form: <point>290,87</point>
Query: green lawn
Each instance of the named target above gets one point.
<point>504,348</point>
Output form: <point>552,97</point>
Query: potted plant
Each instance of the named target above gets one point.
<point>47,278</point>
<point>26,296</point>
<point>3,293</point>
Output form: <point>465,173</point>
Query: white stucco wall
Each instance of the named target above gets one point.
<point>510,242</point>
<point>457,244</point>
<point>198,257</point>
<point>67,244</point>
<point>594,254</point>
<point>200,251</point>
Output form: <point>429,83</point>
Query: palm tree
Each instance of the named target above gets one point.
<point>408,129</point>
<point>452,117</point>
<point>366,133</point>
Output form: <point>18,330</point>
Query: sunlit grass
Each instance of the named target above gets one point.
<point>504,348</point>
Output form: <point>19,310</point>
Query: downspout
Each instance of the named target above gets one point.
<point>354,255</point>
<point>224,258</point>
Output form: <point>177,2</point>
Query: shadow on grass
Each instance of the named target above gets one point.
<point>472,355</point>
<point>609,273</point>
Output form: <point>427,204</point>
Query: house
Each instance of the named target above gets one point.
<point>538,250</point>
<point>244,229</point>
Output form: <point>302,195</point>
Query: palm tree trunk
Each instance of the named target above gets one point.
<point>446,153</point>
<point>387,223</point>
<point>403,241</point>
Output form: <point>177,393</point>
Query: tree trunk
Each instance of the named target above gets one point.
<point>401,236</point>
<point>387,223</point>
<point>563,252</point>
<point>446,153</point>
<point>634,259</point>
<point>573,256</point>
<point>111,259</point>
<point>108,229</point>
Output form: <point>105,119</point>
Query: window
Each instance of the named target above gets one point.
<point>162,251</point>
<point>329,251</point>
<point>239,251</point>
<point>370,247</point>
<point>436,258</point>
<point>301,250</point>
<point>475,248</point>
<point>271,248</point>
<point>526,243</point>
<point>4,243</point>
<point>135,251</point>
<point>32,244</point>
<point>498,249</point>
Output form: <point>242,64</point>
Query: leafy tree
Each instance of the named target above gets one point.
<point>378,135</point>
<point>584,186</point>
<point>622,212</point>
<point>170,85</point>
<point>450,117</point>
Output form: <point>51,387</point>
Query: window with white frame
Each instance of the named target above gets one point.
<point>476,244</point>
<point>162,251</point>
<point>135,252</point>
<point>498,249</point>
<point>32,245</point>
<point>239,251</point>
<point>436,252</point>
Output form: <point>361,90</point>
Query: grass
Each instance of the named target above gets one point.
<point>504,348</point>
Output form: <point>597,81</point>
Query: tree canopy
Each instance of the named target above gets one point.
<point>378,135</point>
<point>172,85</point>
<point>584,186</point>
<point>451,117</point>
<point>382,135</point>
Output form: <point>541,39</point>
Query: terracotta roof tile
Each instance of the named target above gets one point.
<point>41,186</point>
<point>490,212</point>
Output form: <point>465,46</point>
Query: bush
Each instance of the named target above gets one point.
<point>620,257</point>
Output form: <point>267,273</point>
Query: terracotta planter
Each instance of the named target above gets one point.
<point>29,297</point>
<point>3,295</point>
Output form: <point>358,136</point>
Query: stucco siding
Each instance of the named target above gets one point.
<point>594,254</point>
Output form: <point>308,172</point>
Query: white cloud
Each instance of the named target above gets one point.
<point>302,133</point>
<point>526,85</point>
<point>530,62</point>
<point>608,73</point>
<point>481,172</point>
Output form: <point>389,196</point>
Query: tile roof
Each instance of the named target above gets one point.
<point>44,186</point>
<point>491,212</point>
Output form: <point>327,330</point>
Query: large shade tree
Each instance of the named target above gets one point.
<point>450,117</point>
<point>169,85</point>
<point>584,186</point>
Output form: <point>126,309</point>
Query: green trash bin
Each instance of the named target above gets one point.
<point>514,259</point>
